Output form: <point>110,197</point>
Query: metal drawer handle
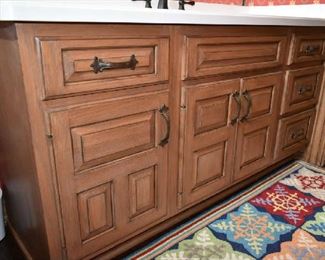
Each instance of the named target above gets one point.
<point>164,111</point>
<point>298,134</point>
<point>236,96</point>
<point>303,89</point>
<point>312,49</point>
<point>99,65</point>
<point>248,98</point>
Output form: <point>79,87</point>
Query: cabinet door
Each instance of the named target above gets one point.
<point>111,170</point>
<point>257,125</point>
<point>208,137</point>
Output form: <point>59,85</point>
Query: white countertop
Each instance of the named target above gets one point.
<point>127,11</point>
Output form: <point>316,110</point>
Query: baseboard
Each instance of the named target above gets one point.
<point>19,241</point>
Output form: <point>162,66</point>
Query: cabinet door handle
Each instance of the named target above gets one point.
<point>99,65</point>
<point>236,96</point>
<point>303,89</point>
<point>298,134</point>
<point>248,99</point>
<point>312,49</point>
<point>164,112</point>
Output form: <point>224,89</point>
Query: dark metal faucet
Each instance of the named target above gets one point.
<point>148,3</point>
<point>182,3</point>
<point>163,4</point>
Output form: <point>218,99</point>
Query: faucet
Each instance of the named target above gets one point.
<point>182,3</point>
<point>163,4</point>
<point>148,3</point>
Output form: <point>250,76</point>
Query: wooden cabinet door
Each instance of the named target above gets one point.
<point>257,125</point>
<point>111,170</point>
<point>208,139</point>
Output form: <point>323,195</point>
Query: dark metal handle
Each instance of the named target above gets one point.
<point>164,111</point>
<point>99,65</point>
<point>298,133</point>
<point>236,96</point>
<point>148,3</point>
<point>303,89</point>
<point>182,3</point>
<point>311,49</point>
<point>248,98</point>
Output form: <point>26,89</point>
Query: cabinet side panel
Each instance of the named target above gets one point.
<point>316,150</point>
<point>18,172</point>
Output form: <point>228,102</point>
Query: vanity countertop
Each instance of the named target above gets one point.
<point>127,11</point>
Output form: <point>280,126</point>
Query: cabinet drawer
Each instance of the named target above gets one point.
<point>69,66</point>
<point>294,133</point>
<point>301,89</point>
<point>218,55</point>
<point>111,169</point>
<point>307,48</point>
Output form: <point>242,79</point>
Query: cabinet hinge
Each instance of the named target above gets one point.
<point>183,107</point>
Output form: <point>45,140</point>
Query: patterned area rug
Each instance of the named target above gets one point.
<point>280,218</point>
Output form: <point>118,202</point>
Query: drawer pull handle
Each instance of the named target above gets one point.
<point>236,96</point>
<point>164,111</point>
<point>312,49</point>
<point>303,89</point>
<point>298,134</point>
<point>248,99</point>
<point>99,65</point>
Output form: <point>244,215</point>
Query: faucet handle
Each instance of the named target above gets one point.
<point>148,3</point>
<point>163,4</point>
<point>182,3</point>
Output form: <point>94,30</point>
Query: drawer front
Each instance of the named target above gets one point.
<point>70,66</point>
<point>111,170</point>
<point>302,89</point>
<point>294,133</point>
<point>218,55</point>
<point>307,48</point>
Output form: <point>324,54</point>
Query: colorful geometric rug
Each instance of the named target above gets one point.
<point>279,218</point>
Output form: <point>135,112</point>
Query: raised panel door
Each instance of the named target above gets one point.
<point>111,170</point>
<point>257,124</point>
<point>208,139</point>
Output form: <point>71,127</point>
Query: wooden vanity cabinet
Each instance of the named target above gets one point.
<point>114,133</point>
